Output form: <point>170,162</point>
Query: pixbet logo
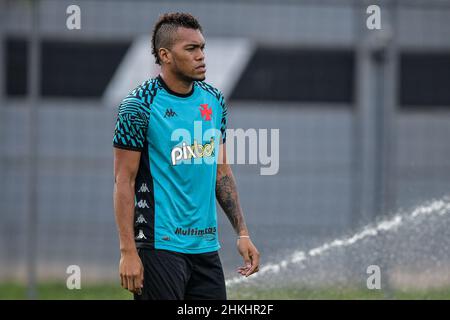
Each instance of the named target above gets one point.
<point>195,150</point>
<point>256,143</point>
<point>199,151</point>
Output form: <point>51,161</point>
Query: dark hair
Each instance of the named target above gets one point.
<point>165,28</point>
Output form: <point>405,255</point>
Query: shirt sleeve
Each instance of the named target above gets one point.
<point>223,123</point>
<point>131,126</point>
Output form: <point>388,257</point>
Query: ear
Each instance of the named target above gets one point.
<point>164,55</point>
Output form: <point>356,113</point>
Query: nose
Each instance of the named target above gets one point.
<point>200,55</point>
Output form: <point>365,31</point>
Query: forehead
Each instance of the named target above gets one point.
<point>186,36</point>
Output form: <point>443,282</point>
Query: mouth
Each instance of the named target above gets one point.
<point>201,68</point>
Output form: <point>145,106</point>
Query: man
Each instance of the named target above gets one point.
<point>165,182</point>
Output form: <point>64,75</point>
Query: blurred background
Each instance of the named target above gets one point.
<point>364,120</point>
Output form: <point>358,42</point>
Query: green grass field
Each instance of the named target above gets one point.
<point>57,290</point>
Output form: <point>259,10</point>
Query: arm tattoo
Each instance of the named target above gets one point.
<point>227,196</point>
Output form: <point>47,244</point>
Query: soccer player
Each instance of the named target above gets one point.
<point>168,176</point>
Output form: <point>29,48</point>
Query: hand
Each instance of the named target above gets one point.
<point>131,272</point>
<point>251,257</point>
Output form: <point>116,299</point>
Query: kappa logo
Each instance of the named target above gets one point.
<point>141,235</point>
<point>205,112</point>
<point>142,204</point>
<point>170,113</point>
<point>143,188</point>
<point>141,219</point>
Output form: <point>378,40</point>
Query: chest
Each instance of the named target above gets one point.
<point>173,120</point>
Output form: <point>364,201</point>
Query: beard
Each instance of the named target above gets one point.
<point>187,77</point>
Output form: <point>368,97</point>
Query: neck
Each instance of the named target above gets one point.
<point>175,83</point>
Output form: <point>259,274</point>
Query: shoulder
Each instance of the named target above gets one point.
<point>146,91</point>
<point>209,89</point>
<point>140,99</point>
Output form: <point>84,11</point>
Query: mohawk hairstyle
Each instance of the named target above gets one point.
<point>165,28</point>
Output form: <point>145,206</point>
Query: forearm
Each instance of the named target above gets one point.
<point>124,213</point>
<point>228,198</point>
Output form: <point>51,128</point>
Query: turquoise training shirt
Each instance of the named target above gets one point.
<point>178,136</point>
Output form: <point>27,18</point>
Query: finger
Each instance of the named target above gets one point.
<point>249,272</point>
<point>247,260</point>
<point>122,282</point>
<point>255,264</point>
<point>137,285</point>
<point>245,266</point>
<point>255,258</point>
<point>130,283</point>
<point>125,282</point>
<point>142,278</point>
<point>243,271</point>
